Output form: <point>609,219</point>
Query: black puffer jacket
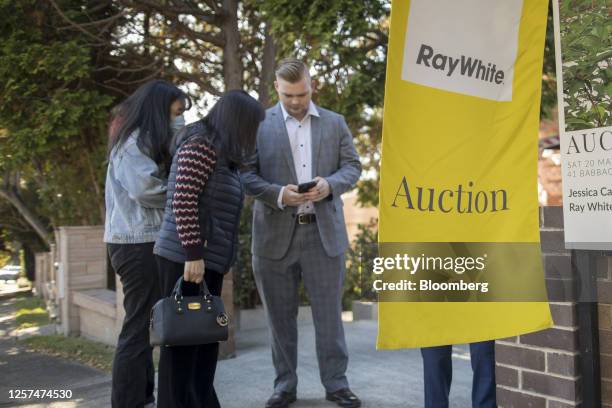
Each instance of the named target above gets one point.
<point>219,211</point>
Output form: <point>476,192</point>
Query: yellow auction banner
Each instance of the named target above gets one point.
<point>459,173</point>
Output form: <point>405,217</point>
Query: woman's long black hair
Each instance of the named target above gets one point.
<point>148,109</point>
<point>232,125</point>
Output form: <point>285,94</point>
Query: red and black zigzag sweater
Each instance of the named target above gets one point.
<point>196,162</point>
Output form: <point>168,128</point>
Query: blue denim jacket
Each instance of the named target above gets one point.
<point>135,196</point>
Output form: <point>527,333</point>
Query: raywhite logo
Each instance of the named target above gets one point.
<point>466,46</point>
<point>470,67</point>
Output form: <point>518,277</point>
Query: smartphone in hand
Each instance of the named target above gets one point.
<point>304,187</point>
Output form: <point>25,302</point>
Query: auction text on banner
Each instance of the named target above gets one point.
<point>459,168</point>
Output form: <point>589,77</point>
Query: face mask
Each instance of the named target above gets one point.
<point>177,123</point>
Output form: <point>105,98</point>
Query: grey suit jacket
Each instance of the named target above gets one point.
<point>333,157</point>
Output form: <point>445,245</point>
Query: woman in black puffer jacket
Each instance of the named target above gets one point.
<point>198,236</point>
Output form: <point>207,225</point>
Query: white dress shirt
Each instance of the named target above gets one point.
<point>300,139</point>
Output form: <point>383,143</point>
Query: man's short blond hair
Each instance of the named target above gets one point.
<point>292,70</point>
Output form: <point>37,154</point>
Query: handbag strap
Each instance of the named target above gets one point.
<point>177,292</point>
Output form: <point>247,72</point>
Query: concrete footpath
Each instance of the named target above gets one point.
<point>383,379</point>
<point>23,369</point>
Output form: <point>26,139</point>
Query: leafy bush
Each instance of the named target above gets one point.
<point>358,280</point>
<point>245,291</point>
<point>586,42</point>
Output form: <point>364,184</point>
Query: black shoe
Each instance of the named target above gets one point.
<point>281,399</point>
<point>344,398</point>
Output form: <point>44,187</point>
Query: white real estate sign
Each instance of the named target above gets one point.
<point>584,127</point>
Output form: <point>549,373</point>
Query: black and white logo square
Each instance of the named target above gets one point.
<point>466,46</point>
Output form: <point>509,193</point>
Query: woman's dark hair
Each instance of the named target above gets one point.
<point>147,109</point>
<point>233,122</point>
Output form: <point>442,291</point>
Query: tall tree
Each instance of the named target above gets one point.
<point>53,116</point>
<point>346,44</point>
<point>211,46</point>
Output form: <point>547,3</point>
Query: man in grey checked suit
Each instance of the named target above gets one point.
<point>302,235</point>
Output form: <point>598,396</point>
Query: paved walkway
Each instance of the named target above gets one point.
<point>23,369</point>
<point>383,379</point>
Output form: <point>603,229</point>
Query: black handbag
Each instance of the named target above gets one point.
<point>190,320</point>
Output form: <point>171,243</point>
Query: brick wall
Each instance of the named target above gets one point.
<point>605,348</point>
<point>541,370</point>
<point>604,286</point>
<point>549,176</point>
<point>355,214</point>
<point>549,168</point>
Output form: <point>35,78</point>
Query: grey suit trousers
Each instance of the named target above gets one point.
<point>278,282</point>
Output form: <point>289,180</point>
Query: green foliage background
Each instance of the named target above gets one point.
<point>586,45</point>
<point>58,84</point>
<point>53,116</point>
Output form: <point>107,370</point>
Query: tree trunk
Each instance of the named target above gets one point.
<point>232,67</point>
<point>267,68</point>
<point>10,192</point>
<point>29,265</point>
<point>16,247</point>
<point>98,193</point>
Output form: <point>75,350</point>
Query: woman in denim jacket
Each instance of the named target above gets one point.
<point>139,159</point>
